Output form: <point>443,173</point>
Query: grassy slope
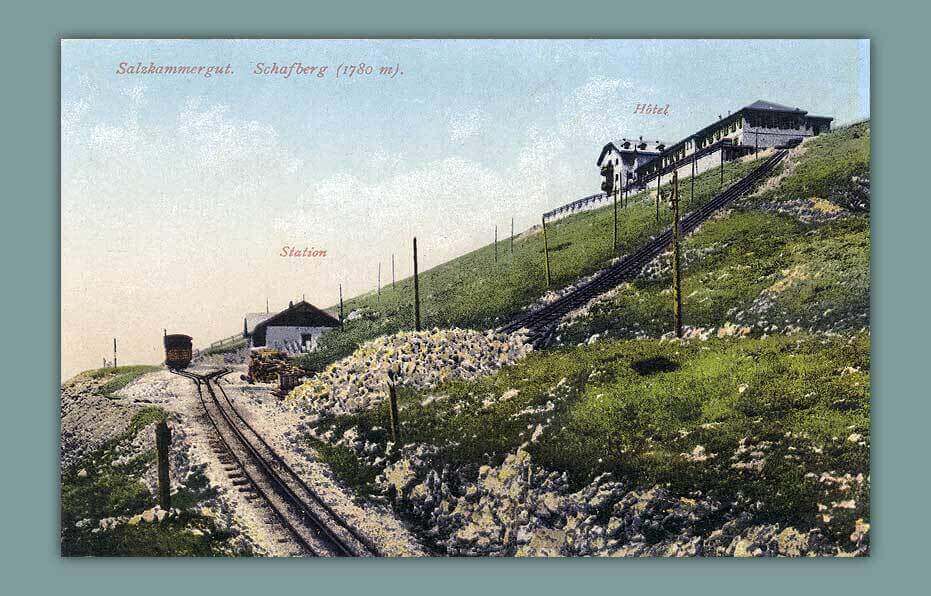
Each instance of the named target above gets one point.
<point>635,407</point>
<point>471,291</point>
<point>117,377</point>
<point>113,491</point>
<point>821,271</point>
<point>109,491</point>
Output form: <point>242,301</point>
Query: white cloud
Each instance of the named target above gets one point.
<point>463,125</point>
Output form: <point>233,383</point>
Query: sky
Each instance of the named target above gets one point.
<point>178,192</point>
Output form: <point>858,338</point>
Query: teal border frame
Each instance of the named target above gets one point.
<point>31,296</point>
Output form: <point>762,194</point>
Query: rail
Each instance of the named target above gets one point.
<point>316,528</point>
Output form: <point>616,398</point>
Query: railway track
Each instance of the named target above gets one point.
<point>255,466</point>
<point>541,323</point>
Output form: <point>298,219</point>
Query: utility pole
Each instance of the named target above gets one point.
<point>340,305</point>
<point>114,352</point>
<point>546,253</point>
<point>392,271</point>
<point>676,257</point>
<point>512,237</point>
<point>496,244</point>
<point>416,291</point>
<point>266,305</point>
<point>378,291</point>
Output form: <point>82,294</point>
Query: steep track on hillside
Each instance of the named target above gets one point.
<point>541,323</point>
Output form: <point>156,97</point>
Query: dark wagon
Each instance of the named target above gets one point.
<point>178,351</point>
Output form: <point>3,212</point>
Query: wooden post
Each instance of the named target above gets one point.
<point>676,258</point>
<point>722,166</point>
<point>162,444</point>
<point>392,270</point>
<point>378,294</point>
<point>416,291</point>
<point>659,182</point>
<point>393,411</point>
<point>496,244</point>
<point>266,306</point>
<point>512,237</point>
<point>692,192</point>
<point>340,305</point>
<point>114,352</point>
<point>615,221</point>
<point>546,254</point>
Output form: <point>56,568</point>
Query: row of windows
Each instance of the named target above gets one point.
<point>775,120</point>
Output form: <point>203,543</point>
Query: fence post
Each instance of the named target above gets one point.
<point>722,166</point>
<point>162,444</point>
<point>615,221</point>
<point>659,179</point>
<point>546,254</point>
<point>692,192</point>
<point>393,411</point>
<point>416,290</point>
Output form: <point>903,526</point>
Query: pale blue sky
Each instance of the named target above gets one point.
<point>164,177</point>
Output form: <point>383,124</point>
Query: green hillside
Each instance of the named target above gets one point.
<point>776,426</point>
<point>473,291</point>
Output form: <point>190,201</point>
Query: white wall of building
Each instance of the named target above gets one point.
<point>282,338</point>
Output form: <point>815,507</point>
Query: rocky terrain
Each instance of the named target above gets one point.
<point>519,509</point>
<point>417,359</point>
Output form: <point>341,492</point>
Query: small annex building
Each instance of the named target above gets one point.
<point>295,330</point>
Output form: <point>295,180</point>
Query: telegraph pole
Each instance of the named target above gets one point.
<point>416,291</point>
<point>340,305</point>
<point>692,192</point>
<point>659,178</point>
<point>615,219</point>
<point>512,237</point>
<point>676,260</point>
<point>114,352</point>
<point>722,166</point>
<point>392,271</point>
<point>378,294</point>
<point>496,244</point>
<point>546,254</point>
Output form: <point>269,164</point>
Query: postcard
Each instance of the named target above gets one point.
<point>465,297</point>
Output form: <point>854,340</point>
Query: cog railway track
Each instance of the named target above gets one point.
<point>253,464</point>
<point>541,323</point>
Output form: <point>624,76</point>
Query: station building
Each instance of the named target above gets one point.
<point>295,330</point>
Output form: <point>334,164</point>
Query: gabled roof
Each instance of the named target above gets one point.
<point>254,318</point>
<point>632,146</point>
<point>301,314</point>
<point>769,106</point>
